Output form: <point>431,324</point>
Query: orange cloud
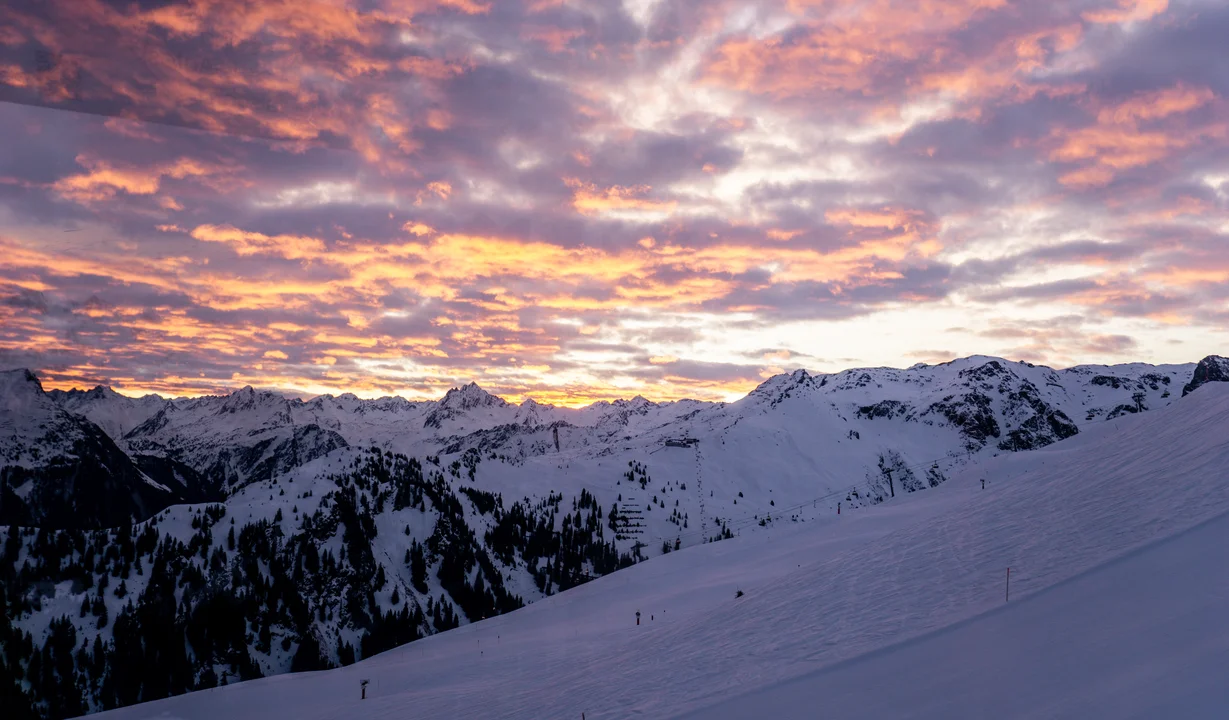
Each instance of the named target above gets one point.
<point>254,243</point>
<point>417,228</point>
<point>588,199</point>
<point>104,180</point>
<point>554,38</point>
<point>1094,176</point>
<point>1118,141</point>
<point>1150,106</point>
<point>873,218</point>
<point>287,90</point>
<point>1128,11</point>
<point>440,189</point>
<point>839,50</point>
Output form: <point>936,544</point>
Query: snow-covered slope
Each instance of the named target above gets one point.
<point>831,590</point>
<point>1143,636</point>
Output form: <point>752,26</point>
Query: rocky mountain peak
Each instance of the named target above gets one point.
<point>458,401</point>
<point>1213,368</point>
<point>468,397</point>
<point>636,404</point>
<point>780,387</point>
<point>249,398</point>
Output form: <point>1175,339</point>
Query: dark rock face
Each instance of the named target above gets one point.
<point>1121,410</point>
<point>985,373</point>
<point>1213,368</point>
<point>973,413</point>
<point>1045,426</point>
<point>885,409</point>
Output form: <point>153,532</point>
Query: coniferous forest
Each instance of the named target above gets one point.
<point>379,552</point>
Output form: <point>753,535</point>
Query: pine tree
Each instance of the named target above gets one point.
<point>418,568</point>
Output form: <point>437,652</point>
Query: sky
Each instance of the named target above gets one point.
<point>577,200</point>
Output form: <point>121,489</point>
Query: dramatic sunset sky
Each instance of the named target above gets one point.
<point>580,199</point>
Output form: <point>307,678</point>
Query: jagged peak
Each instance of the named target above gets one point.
<point>247,398</point>
<point>470,395</point>
<point>637,402</point>
<point>783,380</point>
<point>530,412</point>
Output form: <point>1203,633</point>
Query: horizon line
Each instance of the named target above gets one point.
<point>308,397</point>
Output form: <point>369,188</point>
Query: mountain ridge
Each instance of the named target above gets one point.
<point>100,389</point>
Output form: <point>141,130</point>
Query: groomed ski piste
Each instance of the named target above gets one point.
<point>1117,542</point>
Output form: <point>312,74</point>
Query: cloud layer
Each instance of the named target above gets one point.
<point>581,200</point>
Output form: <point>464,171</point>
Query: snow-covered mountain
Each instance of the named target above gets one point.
<point>349,526</point>
<point>889,611</point>
<point>861,432</point>
<point>975,403</point>
<point>247,436</point>
<point>115,413</point>
<point>58,469</point>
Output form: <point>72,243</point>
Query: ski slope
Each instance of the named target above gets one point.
<point>1144,636</point>
<point>901,600</point>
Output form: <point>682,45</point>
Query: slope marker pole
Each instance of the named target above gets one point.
<point>1007,597</point>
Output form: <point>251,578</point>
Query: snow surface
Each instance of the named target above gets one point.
<point>900,600</point>
<point>1144,636</point>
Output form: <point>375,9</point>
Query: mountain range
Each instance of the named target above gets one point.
<point>194,540</point>
<point>205,448</point>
